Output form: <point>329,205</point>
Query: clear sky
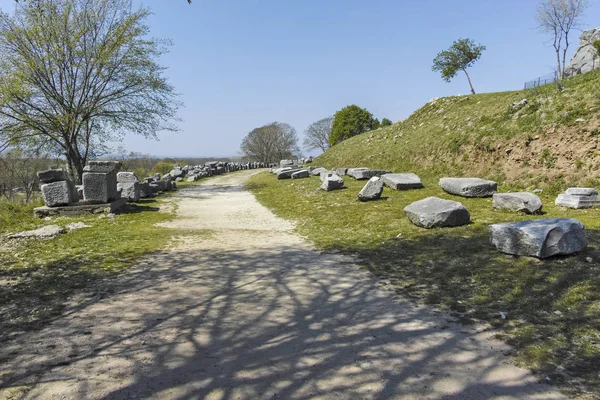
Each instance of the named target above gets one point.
<point>240,64</point>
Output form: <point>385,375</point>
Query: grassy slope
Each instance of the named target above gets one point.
<point>540,145</point>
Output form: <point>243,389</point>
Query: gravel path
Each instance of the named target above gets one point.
<point>252,311</point>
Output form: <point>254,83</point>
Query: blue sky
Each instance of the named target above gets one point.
<point>241,64</point>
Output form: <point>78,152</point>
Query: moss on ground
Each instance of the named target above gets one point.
<point>552,307</point>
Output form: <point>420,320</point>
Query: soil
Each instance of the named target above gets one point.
<point>251,310</point>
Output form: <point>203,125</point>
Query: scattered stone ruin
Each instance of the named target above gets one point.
<point>538,238</point>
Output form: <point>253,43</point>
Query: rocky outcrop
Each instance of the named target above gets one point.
<point>586,58</point>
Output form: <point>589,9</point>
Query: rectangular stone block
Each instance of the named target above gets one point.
<point>129,190</point>
<point>102,166</point>
<point>111,182</point>
<point>58,193</point>
<point>145,190</point>
<point>53,175</point>
<point>123,177</point>
<point>95,187</point>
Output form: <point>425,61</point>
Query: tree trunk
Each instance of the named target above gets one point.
<point>469,79</point>
<point>559,72</point>
<point>76,165</point>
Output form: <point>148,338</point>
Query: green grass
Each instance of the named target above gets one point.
<point>38,276</point>
<point>472,134</point>
<point>552,307</point>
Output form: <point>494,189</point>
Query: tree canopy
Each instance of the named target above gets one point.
<point>386,122</point>
<point>351,121</point>
<point>75,74</point>
<point>316,135</point>
<point>270,143</point>
<point>462,54</point>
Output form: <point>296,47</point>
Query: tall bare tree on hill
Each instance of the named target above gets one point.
<point>558,18</point>
<point>76,74</point>
<point>270,143</point>
<point>316,136</point>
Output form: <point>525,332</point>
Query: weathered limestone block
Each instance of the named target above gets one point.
<point>53,175</point>
<point>317,171</point>
<point>341,171</point>
<point>469,187</point>
<point>402,181</point>
<point>287,163</point>
<point>332,182</point>
<point>99,187</point>
<point>129,190</point>
<point>102,166</point>
<point>303,173</point>
<point>578,198</point>
<point>123,177</point>
<point>145,190</point>
<point>539,238</point>
<point>287,173</point>
<point>59,193</point>
<point>434,212</point>
<point>525,202</point>
<point>45,232</point>
<point>365,173</point>
<point>372,190</point>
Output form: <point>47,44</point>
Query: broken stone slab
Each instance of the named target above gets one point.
<point>403,181</point>
<point>104,167</point>
<point>123,177</point>
<point>303,173</point>
<point>154,187</point>
<point>469,187</point>
<point>179,179</point>
<point>53,175</point>
<point>287,174</point>
<point>76,225</point>
<point>434,212</point>
<point>326,174</point>
<point>317,171</point>
<point>59,193</point>
<point>80,208</point>
<point>129,190</point>
<point>341,171</point>
<point>372,190</point>
<point>525,202</point>
<point>539,238</point>
<point>193,178</point>
<point>332,182</point>
<point>365,173</point>
<point>581,192</point>
<point>45,232</point>
<point>578,198</point>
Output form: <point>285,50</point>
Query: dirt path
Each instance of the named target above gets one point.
<point>253,312</point>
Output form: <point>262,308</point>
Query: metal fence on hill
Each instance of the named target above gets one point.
<point>542,80</point>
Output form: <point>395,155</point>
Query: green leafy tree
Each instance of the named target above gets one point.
<point>77,74</point>
<point>461,55</point>
<point>351,121</point>
<point>386,122</point>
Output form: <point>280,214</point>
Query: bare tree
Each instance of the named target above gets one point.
<point>558,18</point>
<point>316,136</point>
<point>76,74</point>
<point>18,171</point>
<point>270,143</point>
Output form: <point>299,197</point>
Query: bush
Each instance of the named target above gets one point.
<point>351,121</point>
<point>162,168</point>
<point>386,122</point>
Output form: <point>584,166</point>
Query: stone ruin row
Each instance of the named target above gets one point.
<point>102,183</point>
<point>540,238</point>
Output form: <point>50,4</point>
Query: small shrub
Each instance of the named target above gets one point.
<point>578,164</point>
<point>547,159</point>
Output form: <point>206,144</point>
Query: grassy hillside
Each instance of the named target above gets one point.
<point>550,142</point>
